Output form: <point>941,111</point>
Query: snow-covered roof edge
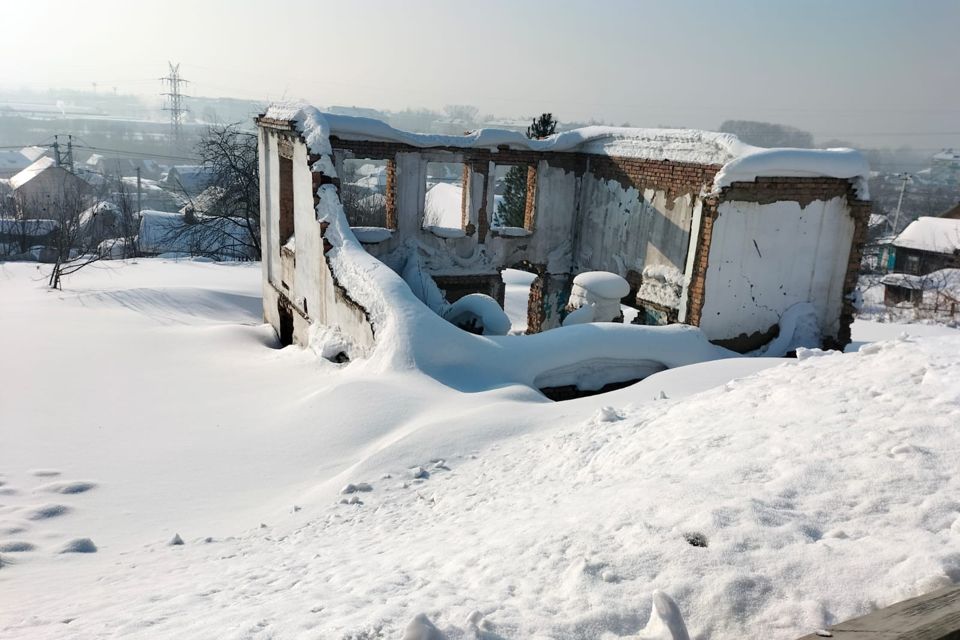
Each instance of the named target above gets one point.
<point>739,161</point>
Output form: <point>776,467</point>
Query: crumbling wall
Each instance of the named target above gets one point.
<point>731,262</point>
<point>297,279</point>
<point>773,243</point>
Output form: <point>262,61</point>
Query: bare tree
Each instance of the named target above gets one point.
<point>232,208</point>
<point>73,248</point>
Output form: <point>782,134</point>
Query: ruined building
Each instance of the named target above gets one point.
<point>706,230</point>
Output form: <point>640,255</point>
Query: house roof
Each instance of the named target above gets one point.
<point>32,172</point>
<point>937,235</point>
<point>13,160</point>
<point>948,155</point>
<point>946,281</point>
<point>33,153</point>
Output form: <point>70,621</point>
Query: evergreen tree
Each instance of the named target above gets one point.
<point>542,127</point>
<point>511,210</point>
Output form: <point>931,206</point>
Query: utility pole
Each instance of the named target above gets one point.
<point>905,177</point>
<point>139,207</point>
<point>63,159</point>
<point>69,161</point>
<point>174,104</point>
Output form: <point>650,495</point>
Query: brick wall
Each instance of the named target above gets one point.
<point>770,190</point>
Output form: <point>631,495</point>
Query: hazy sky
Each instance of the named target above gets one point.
<point>870,71</point>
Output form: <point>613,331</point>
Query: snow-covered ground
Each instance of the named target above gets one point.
<point>147,400</point>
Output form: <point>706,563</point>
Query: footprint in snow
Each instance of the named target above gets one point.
<point>44,473</point>
<point>64,487</point>
<point>12,528</point>
<point>46,511</point>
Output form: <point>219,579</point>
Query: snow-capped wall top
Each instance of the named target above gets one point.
<point>939,235</point>
<point>739,161</point>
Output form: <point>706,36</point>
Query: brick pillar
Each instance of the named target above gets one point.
<point>530,208</point>
<point>549,294</point>
<point>392,193</point>
<point>698,278</point>
<point>860,211</point>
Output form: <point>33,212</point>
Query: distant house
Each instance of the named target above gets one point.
<point>122,166</point>
<point>167,234</point>
<point>27,239</point>
<point>927,260</point>
<point>190,178</point>
<point>945,166</point>
<point>12,162</point>
<point>43,189</point>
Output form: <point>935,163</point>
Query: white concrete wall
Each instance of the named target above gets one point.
<point>622,229</point>
<point>312,288</point>
<point>764,258</point>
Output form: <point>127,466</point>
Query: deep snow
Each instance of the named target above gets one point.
<point>147,401</point>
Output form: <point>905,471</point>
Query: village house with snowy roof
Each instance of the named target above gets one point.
<point>44,187</point>
<point>926,270</point>
<point>704,229</point>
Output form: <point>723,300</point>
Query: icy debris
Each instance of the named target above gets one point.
<point>354,499</point>
<point>804,353</point>
<point>665,622</point>
<point>419,473</point>
<point>79,545</point>
<point>354,488</point>
<point>661,284</point>
<point>609,576</point>
<point>695,539</point>
<point>608,414</point>
<point>16,546</point>
<point>420,628</point>
<point>175,541</point>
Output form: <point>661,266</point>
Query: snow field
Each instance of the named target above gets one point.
<point>766,503</point>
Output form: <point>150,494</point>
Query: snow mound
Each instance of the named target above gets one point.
<point>372,235</point>
<point>603,284</point>
<point>479,313</point>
